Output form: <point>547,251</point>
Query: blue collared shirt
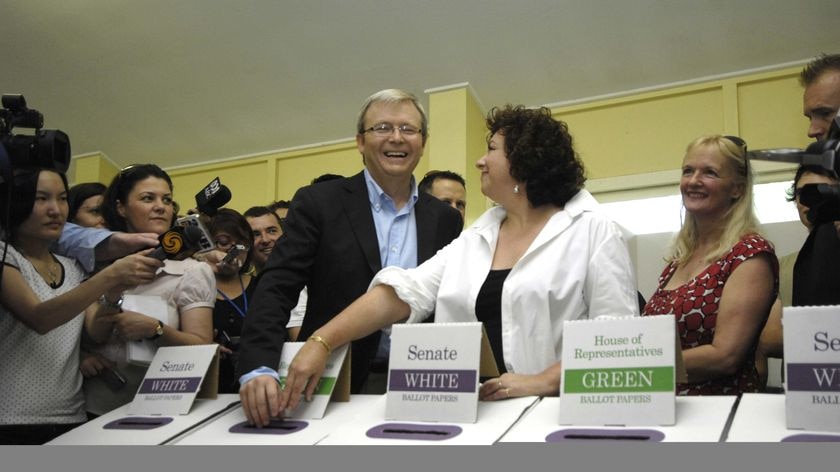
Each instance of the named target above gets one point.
<point>396,230</point>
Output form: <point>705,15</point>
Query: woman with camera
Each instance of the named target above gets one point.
<point>234,288</point>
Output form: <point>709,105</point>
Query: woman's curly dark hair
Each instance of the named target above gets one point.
<point>540,152</point>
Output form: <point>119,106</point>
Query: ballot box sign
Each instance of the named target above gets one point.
<point>333,376</point>
<point>433,372</point>
<point>175,377</point>
<point>618,371</point>
<point>812,367</point>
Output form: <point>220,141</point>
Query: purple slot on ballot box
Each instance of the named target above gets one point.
<point>811,437</point>
<point>274,427</point>
<point>579,434</point>
<point>421,432</point>
<point>139,422</point>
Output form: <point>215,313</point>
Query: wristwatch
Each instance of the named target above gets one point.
<point>117,305</point>
<point>158,331</point>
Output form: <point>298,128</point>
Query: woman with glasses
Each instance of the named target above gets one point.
<point>139,200</point>
<point>46,303</point>
<point>234,289</point>
<point>722,276</point>
<point>543,256</point>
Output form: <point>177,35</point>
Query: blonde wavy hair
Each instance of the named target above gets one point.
<point>740,219</point>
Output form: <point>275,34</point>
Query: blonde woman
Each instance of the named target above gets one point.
<point>722,276</point>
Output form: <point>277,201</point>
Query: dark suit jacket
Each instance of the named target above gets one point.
<point>329,244</point>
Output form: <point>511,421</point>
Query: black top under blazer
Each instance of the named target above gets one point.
<point>329,245</point>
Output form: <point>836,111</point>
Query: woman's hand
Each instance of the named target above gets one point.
<point>133,270</point>
<point>92,364</point>
<point>133,326</point>
<point>546,383</point>
<point>304,373</point>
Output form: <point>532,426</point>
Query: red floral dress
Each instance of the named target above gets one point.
<point>695,306</point>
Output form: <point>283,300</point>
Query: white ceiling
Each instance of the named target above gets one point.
<point>179,82</point>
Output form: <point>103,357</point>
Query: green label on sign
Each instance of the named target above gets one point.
<point>325,385</point>
<point>628,379</point>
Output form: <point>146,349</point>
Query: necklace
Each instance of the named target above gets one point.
<point>50,271</point>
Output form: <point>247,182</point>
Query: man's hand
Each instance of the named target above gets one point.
<point>260,400</point>
<point>122,244</point>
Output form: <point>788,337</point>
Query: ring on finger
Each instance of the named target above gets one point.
<point>507,392</point>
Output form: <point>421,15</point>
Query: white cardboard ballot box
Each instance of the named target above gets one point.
<point>494,418</point>
<point>433,372</point>
<point>119,428</point>
<point>812,367</point>
<point>333,386</point>
<point>618,371</point>
<point>698,419</point>
<point>232,427</point>
<point>760,417</point>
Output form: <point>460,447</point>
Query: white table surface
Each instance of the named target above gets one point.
<point>216,432</point>
<point>494,418</point>
<point>698,419</point>
<point>93,432</point>
<point>760,417</point>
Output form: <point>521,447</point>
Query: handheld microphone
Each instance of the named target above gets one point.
<point>178,243</point>
<point>212,197</point>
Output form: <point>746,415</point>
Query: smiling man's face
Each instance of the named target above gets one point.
<point>394,156</point>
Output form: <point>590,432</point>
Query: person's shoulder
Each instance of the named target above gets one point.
<point>755,243</point>
<point>13,257</point>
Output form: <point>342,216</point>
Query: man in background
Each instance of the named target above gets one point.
<point>447,187</point>
<point>820,103</point>
<point>265,224</point>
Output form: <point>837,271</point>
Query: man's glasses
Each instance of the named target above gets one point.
<point>386,129</point>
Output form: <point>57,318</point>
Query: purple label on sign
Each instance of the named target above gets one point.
<point>422,432</point>
<point>562,435</point>
<point>139,422</point>
<point>171,385</point>
<point>813,377</point>
<point>428,380</point>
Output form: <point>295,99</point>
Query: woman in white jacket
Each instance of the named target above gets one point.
<point>544,255</point>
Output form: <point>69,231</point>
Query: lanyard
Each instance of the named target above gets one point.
<point>233,304</point>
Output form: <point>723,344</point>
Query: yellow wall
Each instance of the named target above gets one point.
<point>648,132</point>
<point>457,140</point>
<point>95,167</point>
<point>628,144</point>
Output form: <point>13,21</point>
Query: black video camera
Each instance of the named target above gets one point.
<point>48,149</point>
<point>823,200</point>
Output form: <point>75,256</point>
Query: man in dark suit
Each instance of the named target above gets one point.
<point>338,234</point>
